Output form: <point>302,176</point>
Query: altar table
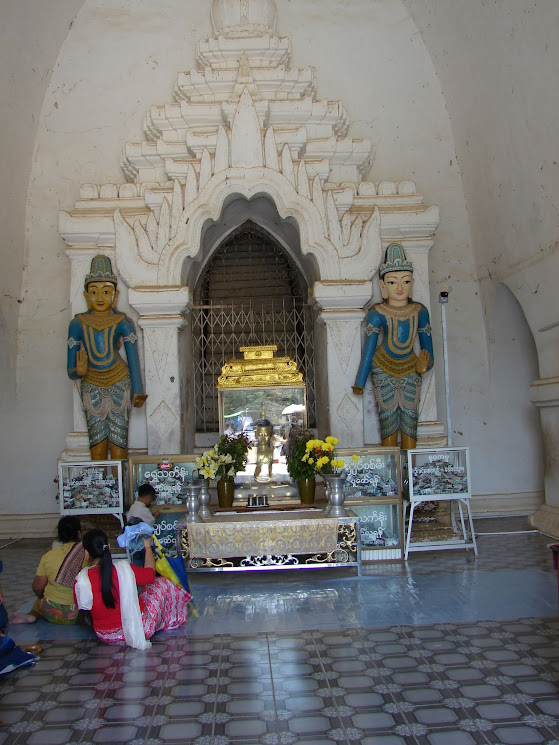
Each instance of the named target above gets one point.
<point>270,539</point>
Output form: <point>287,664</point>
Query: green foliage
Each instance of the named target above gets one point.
<point>297,468</point>
<point>237,447</point>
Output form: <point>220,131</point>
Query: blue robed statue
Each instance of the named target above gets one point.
<point>395,368</point>
<point>109,385</point>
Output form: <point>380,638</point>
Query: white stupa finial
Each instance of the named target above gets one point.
<point>238,18</point>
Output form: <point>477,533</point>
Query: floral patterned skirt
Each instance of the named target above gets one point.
<point>163,605</point>
<point>64,615</point>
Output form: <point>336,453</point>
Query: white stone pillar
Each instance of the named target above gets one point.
<point>161,319</point>
<point>544,394</point>
<point>337,357</point>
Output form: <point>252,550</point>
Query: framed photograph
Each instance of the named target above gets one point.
<point>168,474</point>
<point>90,487</point>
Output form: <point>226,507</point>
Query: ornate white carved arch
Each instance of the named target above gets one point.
<point>244,124</point>
<point>344,249</point>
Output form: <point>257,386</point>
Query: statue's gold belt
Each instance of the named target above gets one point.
<point>110,376</point>
<point>395,367</point>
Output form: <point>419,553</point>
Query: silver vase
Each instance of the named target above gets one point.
<point>193,503</point>
<point>203,497</point>
<point>335,495</point>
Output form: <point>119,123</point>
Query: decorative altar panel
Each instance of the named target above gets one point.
<point>235,535</point>
<point>298,539</point>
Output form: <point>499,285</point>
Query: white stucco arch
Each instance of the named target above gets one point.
<point>262,211</point>
<point>249,183</point>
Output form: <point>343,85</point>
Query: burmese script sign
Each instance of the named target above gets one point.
<point>379,524</point>
<point>169,476</point>
<point>371,473</point>
<point>165,529</point>
<point>441,472</point>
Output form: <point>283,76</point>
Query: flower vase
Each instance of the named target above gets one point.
<point>335,495</point>
<point>226,492</point>
<point>203,497</point>
<point>193,503</point>
<point>306,490</point>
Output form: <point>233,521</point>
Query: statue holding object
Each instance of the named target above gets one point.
<point>395,368</point>
<point>109,386</point>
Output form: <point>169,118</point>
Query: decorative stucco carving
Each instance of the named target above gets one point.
<point>160,341</point>
<point>163,418</point>
<point>245,123</point>
<point>347,411</point>
<point>342,334</point>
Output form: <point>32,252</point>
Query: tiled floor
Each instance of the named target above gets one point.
<point>447,649</point>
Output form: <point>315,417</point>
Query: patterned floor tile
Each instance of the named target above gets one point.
<point>441,650</point>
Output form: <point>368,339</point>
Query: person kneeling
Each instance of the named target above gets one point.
<point>109,592</point>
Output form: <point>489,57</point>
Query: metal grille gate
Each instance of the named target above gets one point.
<point>219,330</point>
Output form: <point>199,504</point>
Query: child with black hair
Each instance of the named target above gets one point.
<point>140,508</point>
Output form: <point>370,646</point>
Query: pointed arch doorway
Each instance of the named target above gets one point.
<point>250,292</point>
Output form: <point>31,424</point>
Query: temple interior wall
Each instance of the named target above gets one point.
<point>458,97</point>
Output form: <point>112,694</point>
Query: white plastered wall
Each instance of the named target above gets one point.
<point>118,59</point>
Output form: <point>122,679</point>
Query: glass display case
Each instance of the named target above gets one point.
<point>241,408</point>
<point>441,473</point>
<point>91,487</point>
<point>381,531</point>
<point>373,491</point>
<point>168,474</point>
<point>372,473</point>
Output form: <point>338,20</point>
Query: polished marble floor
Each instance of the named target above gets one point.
<point>445,649</point>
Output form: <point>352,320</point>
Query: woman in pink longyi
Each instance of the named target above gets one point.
<point>108,590</point>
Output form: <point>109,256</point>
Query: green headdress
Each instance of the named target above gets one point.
<point>395,260</point>
<point>101,271</point>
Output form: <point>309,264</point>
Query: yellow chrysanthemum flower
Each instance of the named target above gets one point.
<point>312,444</point>
<point>355,458</point>
<point>332,441</point>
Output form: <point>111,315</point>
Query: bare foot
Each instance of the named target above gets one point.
<point>22,618</point>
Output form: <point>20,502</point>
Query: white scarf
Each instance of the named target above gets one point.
<point>130,614</point>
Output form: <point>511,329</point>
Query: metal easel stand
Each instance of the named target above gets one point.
<point>468,539</point>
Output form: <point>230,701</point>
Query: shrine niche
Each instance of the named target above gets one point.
<point>245,131</point>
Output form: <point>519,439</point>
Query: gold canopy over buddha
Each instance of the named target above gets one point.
<point>259,367</point>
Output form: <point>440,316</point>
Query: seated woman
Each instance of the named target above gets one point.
<point>109,592</point>
<point>55,576</point>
